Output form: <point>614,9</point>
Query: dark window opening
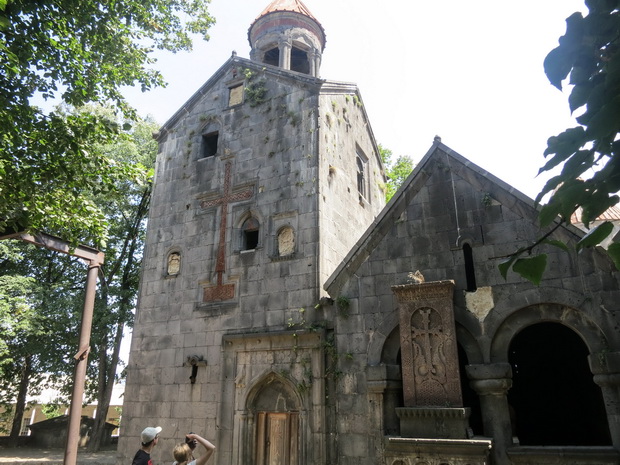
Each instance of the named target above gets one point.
<point>299,61</point>
<point>470,274</point>
<point>361,181</point>
<point>554,398</point>
<point>209,144</point>
<point>250,234</point>
<point>272,57</point>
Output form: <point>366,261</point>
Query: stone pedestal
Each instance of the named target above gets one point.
<point>437,451</point>
<point>433,422</point>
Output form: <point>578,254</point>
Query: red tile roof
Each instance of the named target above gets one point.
<point>611,214</point>
<point>287,5</point>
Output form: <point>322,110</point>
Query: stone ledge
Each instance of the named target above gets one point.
<point>557,455</point>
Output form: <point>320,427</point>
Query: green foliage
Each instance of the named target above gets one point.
<point>48,286</point>
<point>37,316</point>
<point>51,410</point>
<point>255,90</point>
<point>343,303</point>
<point>396,172</point>
<point>75,52</point>
<point>589,154</point>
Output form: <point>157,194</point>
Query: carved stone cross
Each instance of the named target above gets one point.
<point>223,291</point>
<point>428,345</point>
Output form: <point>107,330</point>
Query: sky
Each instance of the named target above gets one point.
<point>470,72</point>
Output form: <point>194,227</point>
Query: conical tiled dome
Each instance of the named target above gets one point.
<point>287,35</point>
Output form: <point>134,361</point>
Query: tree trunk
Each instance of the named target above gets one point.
<point>20,405</point>
<point>107,372</point>
<point>105,395</point>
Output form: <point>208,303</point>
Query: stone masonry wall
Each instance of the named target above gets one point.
<point>269,150</point>
<point>345,214</point>
<point>424,237</point>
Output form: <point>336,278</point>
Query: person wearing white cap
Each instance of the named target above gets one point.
<point>149,438</point>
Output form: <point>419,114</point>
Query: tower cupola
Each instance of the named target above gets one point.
<point>286,34</point>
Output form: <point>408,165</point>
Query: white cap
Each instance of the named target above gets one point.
<point>149,434</point>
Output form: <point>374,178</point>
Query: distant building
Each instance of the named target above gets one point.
<point>34,412</point>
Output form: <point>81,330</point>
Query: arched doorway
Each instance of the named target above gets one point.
<point>553,395</point>
<point>276,413</point>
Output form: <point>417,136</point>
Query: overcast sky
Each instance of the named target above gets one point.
<point>470,72</point>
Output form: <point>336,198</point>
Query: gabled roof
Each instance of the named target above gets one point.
<point>438,157</point>
<point>233,61</point>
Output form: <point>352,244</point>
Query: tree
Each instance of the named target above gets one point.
<point>75,52</point>
<point>52,302</point>
<point>588,154</point>
<point>396,172</point>
<point>35,289</point>
<point>126,215</point>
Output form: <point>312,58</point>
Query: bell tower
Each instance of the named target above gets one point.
<point>286,35</point>
<point>265,179</point>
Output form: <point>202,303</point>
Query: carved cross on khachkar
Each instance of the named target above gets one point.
<point>430,364</point>
<point>223,291</point>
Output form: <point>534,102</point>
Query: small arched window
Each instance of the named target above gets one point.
<point>272,57</point>
<point>299,61</point>
<point>250,230</point>
<point>361,176</point>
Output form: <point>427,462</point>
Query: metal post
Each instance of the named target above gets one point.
<point>95,259</point>
<point>75,410</point>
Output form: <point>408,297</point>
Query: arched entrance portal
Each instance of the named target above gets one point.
<point>277,425</point>
<point>553,395</point>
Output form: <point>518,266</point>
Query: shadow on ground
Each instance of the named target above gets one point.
<point>38,456</point>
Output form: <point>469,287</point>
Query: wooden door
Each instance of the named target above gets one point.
<point>277,438</point>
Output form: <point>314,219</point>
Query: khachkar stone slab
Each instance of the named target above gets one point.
<point>430,364</point>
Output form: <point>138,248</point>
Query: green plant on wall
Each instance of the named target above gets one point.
<point>342,304</point>
<point>487,200</point>
<point>332,356</point>
<point>306,382</point>
<point>293,118</point>
<point>255,90</point>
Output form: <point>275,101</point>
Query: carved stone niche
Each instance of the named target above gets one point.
<point>430,367</point>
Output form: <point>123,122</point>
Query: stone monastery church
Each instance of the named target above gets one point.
<point>292,318</point>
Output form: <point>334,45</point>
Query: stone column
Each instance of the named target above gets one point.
<point>317,64</point>
<point>492,382</point>
<point>285,46</point>
<point>606,369</point>
<point>312,61</point>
